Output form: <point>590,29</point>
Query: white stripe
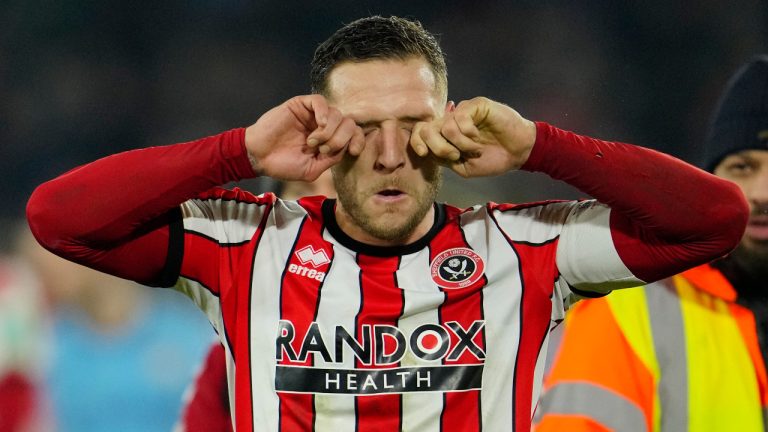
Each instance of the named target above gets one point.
<point>501,306</point>
<point>223,220</point>
<point>203,299</point>
<point>537,224</point>
<point>230,382</point>
<point>586,256</point>
<point>275,246</point>
<point>422,298</point>
<point>339,305</point>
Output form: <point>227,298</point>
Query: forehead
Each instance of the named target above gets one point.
<point>380,89</point>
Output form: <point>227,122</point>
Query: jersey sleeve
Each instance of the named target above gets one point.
<point>640,227</point>
<point>220,235</point>
<point>586,255</point>
<point>597,381</point>
<point>539,227</point>
<point>117,214</point>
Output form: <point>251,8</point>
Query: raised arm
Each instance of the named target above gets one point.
<point>665,215</point>
<point>114,214</point>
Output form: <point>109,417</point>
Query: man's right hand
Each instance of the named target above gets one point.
<point>301,138</point>
<point>480,137</point>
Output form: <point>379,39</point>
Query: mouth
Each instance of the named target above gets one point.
<point>390,195</point>
<point>757,228</point>
<point>390,192</point>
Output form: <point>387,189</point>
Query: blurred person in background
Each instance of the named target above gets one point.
<point>207,400</point>
<point>382,309</point>
<point>24,337</point>
<point>686,353</point>
<point>120,355</point>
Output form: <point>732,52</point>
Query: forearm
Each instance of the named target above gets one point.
<point>102,206</point>
<point>666,215</point>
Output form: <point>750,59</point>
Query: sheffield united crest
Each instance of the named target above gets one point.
<point>457,268</point>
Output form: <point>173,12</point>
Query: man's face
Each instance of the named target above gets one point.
<point>386,193</point>
<point>749,170</point>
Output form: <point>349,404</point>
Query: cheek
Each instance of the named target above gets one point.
<point>345,175</point>
<point>429,169</point>
<point>750,188</point>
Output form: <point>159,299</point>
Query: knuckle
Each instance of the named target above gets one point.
<point>442,151</point>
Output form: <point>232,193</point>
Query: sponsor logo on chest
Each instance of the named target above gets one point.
<point>377,350</point>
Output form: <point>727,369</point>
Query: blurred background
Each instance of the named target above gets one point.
<point>84,79</point>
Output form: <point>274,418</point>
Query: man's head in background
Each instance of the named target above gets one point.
<point>323,185</point>
<point>737,150</point>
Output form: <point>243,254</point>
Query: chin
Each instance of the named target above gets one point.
<point>752,251</point>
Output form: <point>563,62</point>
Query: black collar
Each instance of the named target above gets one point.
<point>329,215</point>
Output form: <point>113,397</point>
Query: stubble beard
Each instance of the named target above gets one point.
<point>752,257</point>
<point>384,228</point>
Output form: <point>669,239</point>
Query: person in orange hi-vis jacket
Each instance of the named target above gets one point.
<point>686,353</point>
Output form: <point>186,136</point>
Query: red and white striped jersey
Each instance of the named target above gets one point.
<point>449,333</point>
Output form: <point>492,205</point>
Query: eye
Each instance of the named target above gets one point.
<point>740,168</point>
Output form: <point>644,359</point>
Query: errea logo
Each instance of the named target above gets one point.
<point>308,255</point>
<point>310,260</point>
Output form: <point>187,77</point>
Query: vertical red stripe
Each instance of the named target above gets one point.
<point>203,260</point>
<point>202,264</point>
<point>382,304</point>
<point>536,312</point>
<point>461,410</point>
<point>236,311</point>
<point>299,299</point>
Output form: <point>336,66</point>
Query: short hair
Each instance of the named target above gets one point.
<point>377,38</point>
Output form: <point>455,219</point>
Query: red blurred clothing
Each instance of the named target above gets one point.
<point>207,409</point>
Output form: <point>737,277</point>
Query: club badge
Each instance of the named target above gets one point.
<point>457,268</point>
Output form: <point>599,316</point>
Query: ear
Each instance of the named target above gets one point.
<point>449,107</point>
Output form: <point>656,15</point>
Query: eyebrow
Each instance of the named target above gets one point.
<point>406,119</point>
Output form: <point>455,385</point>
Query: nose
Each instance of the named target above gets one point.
<point>392,148</point>
<point>757,189</point>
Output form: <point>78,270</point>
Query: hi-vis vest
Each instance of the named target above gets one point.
<point>674,356</point>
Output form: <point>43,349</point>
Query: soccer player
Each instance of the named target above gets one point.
<point>687,353</point>
<point>384,310</point>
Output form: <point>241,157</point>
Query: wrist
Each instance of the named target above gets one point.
<point>541,146</point>
<point>527,136</point>
<point>234,149</point>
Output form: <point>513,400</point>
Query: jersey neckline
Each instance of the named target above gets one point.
<point>329,215</point>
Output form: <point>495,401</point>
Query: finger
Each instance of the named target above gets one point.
<point>437,143</point>
<point>459,167</point>
<point>454,134</point>
<point>323,133</point>
<point>357,143</point>
<point>476,113</point>
<point>319,107</point>
<point>343,133</point>
<point>416,142</point>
